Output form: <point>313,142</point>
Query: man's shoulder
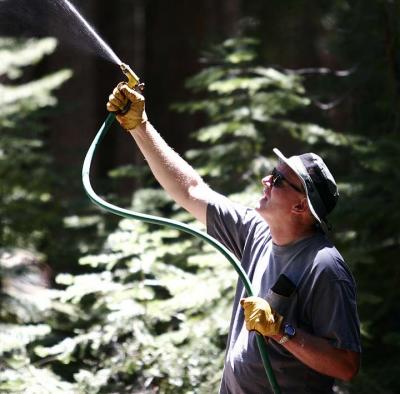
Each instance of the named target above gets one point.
<point>330,264</point>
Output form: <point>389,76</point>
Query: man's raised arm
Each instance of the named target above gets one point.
<point>173,173</point>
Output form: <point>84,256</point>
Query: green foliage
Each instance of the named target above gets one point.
<point>31,216</point>
<point>250,110</point>
<point>26,196</point>
<point>34,212</point>
<point>25,304</point>
<point>153,313</point>
<point>24,377</point>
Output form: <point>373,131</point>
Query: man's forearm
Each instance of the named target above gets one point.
<point>174,174</point>
<point>318,354</point>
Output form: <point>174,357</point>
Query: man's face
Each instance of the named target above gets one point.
<point>282,190</point>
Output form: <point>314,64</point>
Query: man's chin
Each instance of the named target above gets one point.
<point>261,205</point>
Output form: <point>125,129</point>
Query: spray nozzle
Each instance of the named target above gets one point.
<point>133,79</point>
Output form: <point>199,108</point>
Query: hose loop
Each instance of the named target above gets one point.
<point>173,224</point>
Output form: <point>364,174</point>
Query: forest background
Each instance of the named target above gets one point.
<point>91,303</point>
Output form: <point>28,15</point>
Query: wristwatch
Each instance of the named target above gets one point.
<point>288,333</point>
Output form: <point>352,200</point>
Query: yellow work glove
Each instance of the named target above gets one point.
<point>121,96</point>
<point>260,317</point>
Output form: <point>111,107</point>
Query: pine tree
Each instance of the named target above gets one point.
<point>27,211</point>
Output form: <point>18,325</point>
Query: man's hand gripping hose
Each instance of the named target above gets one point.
<point>260,317</point>
<point>128,105</point>
<point>127,101</point>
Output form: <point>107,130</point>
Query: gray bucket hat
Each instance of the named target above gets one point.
<point>318,183</point>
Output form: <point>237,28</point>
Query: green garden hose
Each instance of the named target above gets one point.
<point>173,224</point>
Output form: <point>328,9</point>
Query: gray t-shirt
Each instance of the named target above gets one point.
<point>323,304</point>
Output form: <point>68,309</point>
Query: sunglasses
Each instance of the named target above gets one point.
<point>278,178</point>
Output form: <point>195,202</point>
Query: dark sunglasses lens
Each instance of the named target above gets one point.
<point>277,178</point>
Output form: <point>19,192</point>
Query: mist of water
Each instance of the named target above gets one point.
<point>90,32</point>
<point>58,18</point>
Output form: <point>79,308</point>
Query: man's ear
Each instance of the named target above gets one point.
<point>300,207</point>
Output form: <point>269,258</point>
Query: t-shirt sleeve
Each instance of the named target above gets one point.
<point>334,309</point>
<point>229,223</point>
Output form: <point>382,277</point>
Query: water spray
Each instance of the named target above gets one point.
<point>133,82</point>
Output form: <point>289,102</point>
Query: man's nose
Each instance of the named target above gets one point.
<point>266,181</point>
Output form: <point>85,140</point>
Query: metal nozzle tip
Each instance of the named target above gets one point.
<point>133,79</point>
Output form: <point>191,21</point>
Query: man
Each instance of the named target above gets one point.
<point>306,308</point>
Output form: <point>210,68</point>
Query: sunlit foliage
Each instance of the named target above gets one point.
<point>25,166</point>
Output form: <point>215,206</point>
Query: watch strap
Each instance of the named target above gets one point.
<point>284,339</point>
